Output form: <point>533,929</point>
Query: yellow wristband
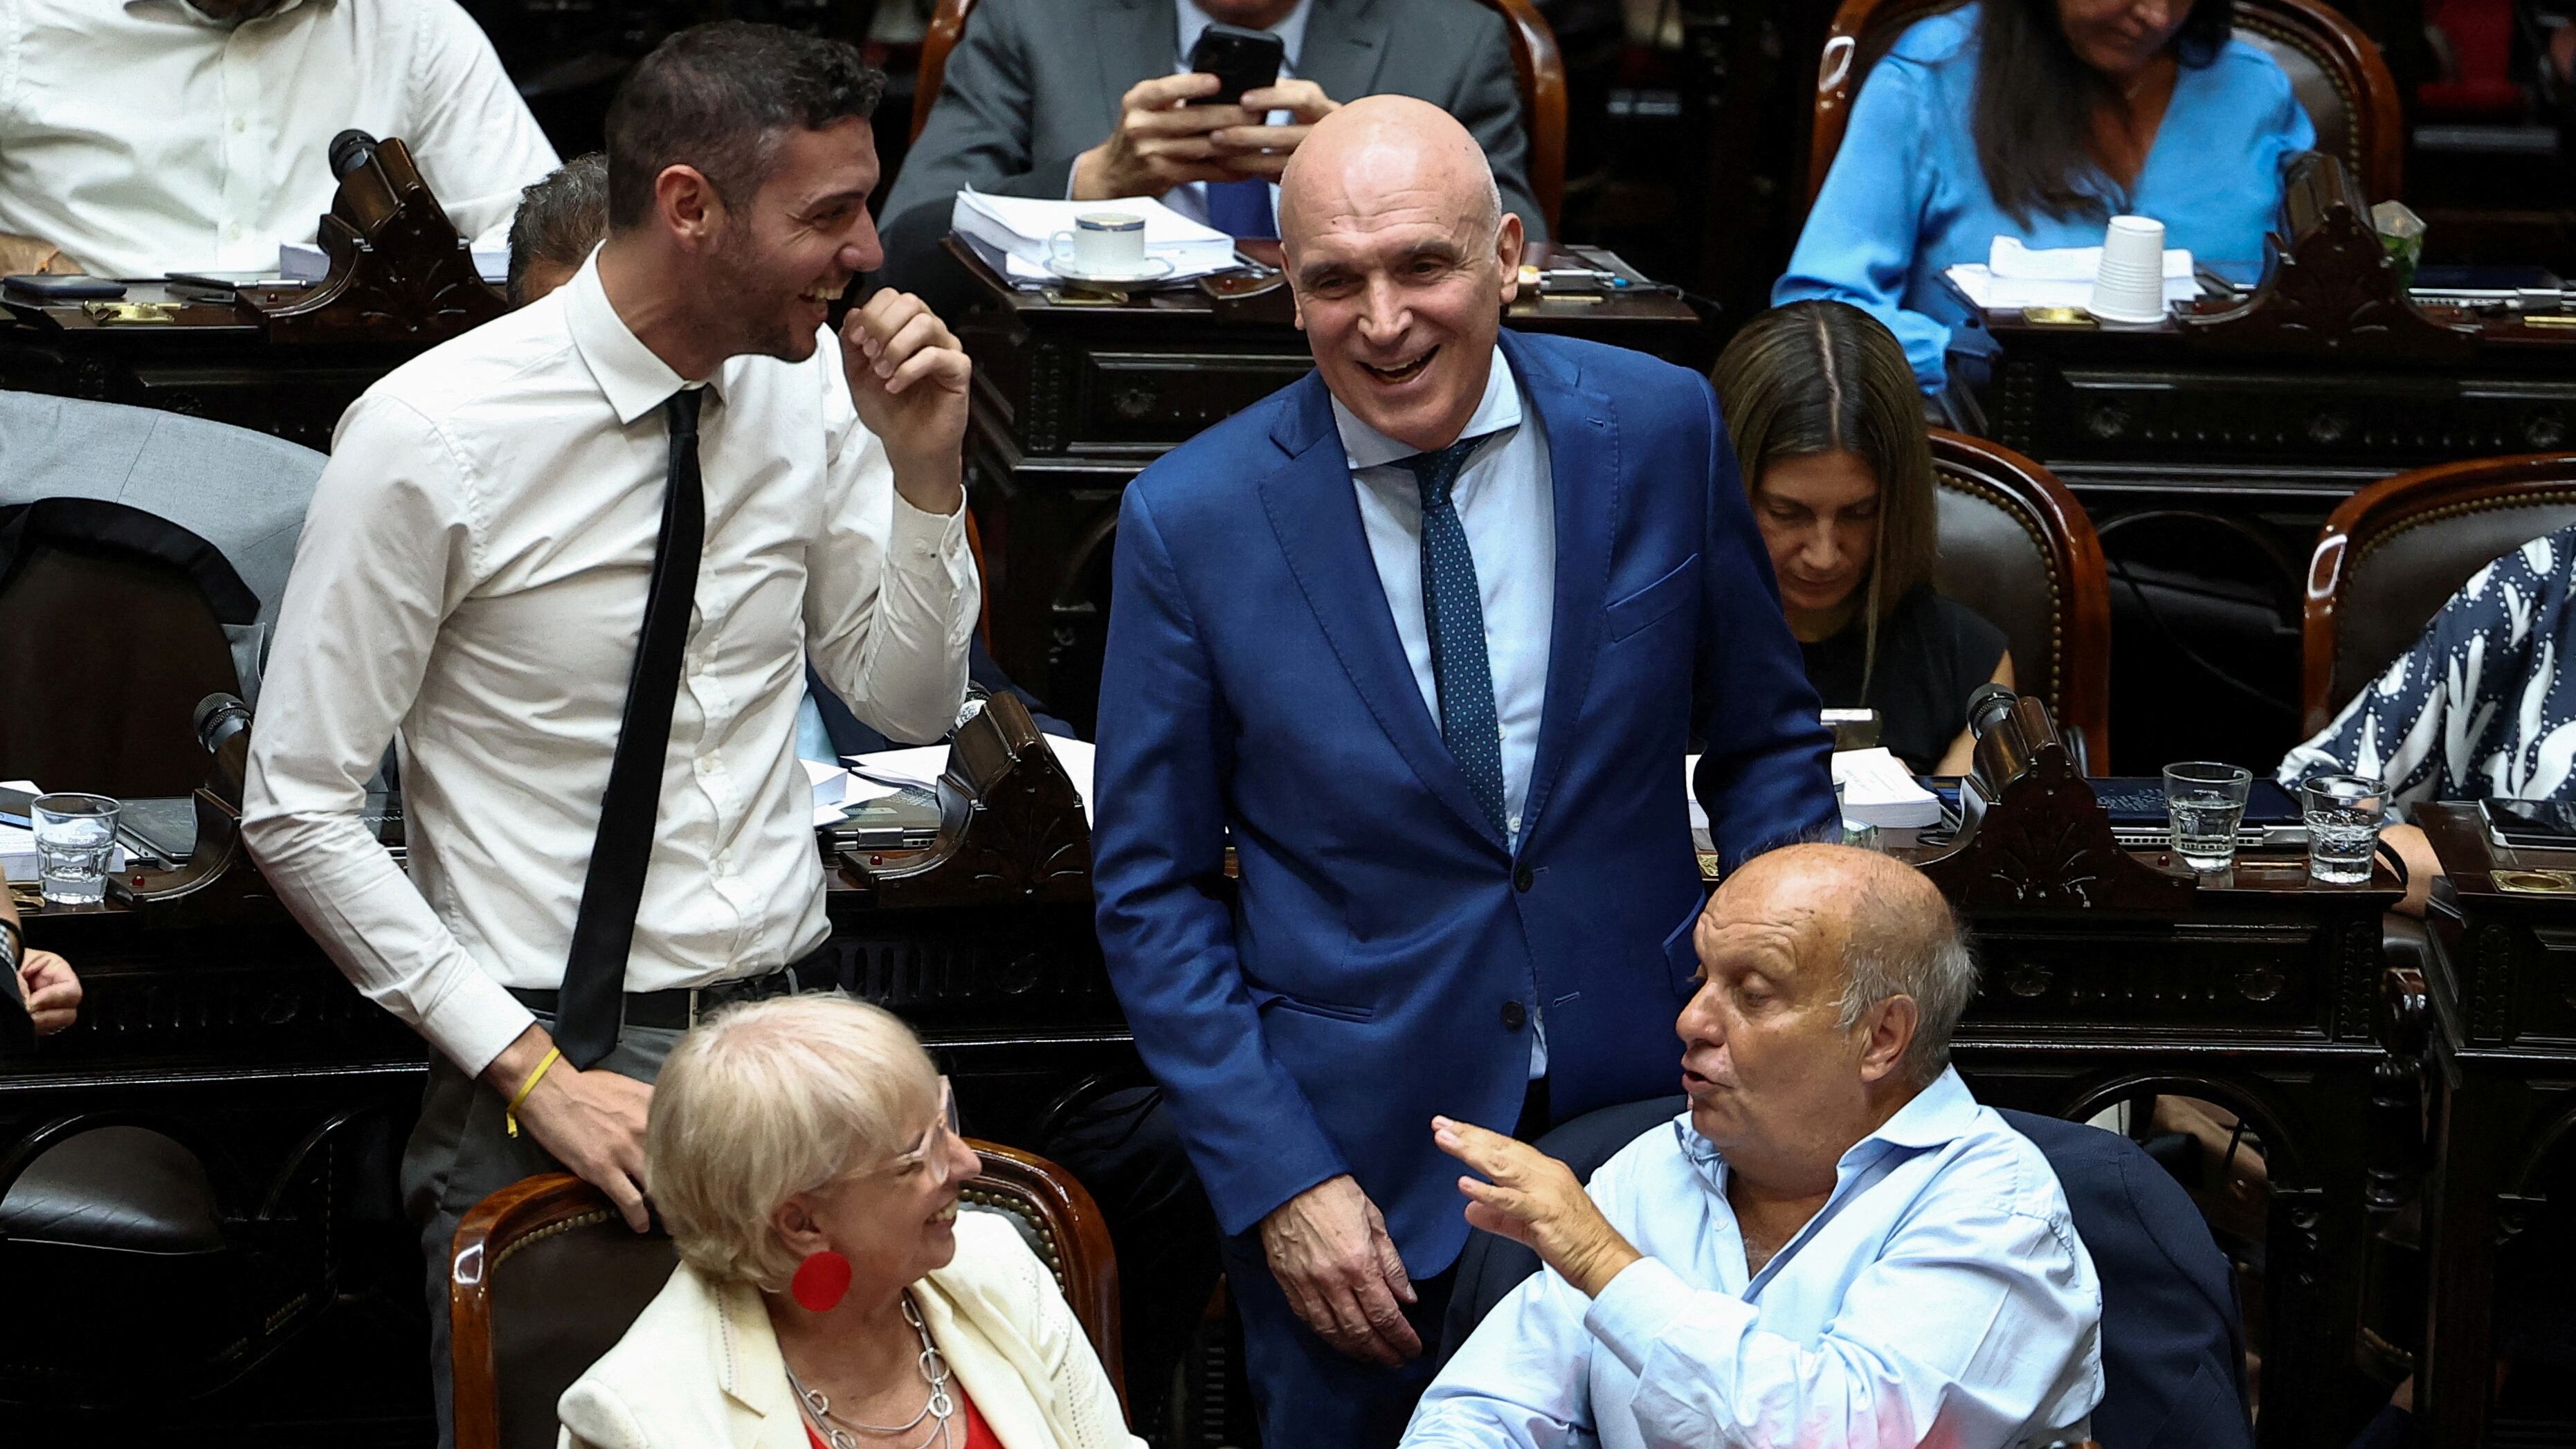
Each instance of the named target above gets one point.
<point>510,1114</point>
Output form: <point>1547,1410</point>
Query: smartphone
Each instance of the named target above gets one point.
<point>73,288</point>
<point>2532,824</point>
<point>1241,60</point>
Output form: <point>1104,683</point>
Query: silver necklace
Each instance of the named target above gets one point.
<point>842,1433</point>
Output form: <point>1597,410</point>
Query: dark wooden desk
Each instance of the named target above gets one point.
<point>214,1019</point>
<point>210,361</point>
<point>1071,401</point>
<point>2500,1187</point>
<point>2258,996</point>
<point>2210,448</point>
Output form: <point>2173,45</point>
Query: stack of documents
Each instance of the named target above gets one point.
<point>305,262</point>
<point>889,770</point>
<point>2018,276</point>
<point>1011,234</point>
<point>1877,789</point>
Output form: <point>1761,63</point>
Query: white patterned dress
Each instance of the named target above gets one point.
<point>2477,707</point>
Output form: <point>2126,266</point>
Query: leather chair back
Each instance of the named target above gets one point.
<point>546,1277</point>
<point>2018,549</point>
<point>111,629</point>
<point>2395,552</point>
<point>2334,68</point>
<point>1536,64</point>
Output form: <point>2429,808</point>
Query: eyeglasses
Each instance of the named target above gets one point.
<point>929,1153</point>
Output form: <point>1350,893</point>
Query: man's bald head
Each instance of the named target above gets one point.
<point>1401,259</point>
<point>1877,921</point>
<point>1381,147</point>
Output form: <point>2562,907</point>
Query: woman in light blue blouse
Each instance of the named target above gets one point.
<point>2040,120</point>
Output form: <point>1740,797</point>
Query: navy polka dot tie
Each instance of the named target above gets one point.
<point>1453,612</point>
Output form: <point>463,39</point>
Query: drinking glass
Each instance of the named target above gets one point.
<point>2204,800</point>
<point>2343,814</point>
<point>74,836</point>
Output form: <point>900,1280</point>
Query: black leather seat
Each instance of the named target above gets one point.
<point>2019,550</point>
<point>112,1244</point>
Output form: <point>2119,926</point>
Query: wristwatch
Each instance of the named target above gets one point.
<point>13,947</point>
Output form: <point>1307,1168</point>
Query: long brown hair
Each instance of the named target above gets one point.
<point>1826,377</point>
<point>2036,101</point>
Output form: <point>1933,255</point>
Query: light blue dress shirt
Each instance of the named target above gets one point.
<point>1941,1296</point>
<point>1907,199</point>
<point>1506,499</point>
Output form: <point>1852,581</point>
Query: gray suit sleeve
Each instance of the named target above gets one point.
<point>979,135</point>
<point>1488,103</point>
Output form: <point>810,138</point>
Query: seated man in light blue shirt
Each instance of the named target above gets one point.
<point>1835,1246</point>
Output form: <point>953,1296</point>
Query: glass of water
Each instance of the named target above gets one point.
<point>2204,801</point>
<point>2343,814</point>
<point>75,834</point>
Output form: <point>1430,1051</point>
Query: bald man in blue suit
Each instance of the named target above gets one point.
<point>1424,637</point>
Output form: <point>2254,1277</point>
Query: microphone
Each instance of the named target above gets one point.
<point>1989,706</point>
<point>219,717</point>
<point>350,150</point>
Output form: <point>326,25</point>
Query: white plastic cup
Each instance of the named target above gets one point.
<point>2130,286</point>
<point>1103,243</point>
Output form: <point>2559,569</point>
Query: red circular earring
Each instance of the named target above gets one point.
<point>820,1281</point>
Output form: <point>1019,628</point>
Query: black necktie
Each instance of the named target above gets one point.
<point>592,1003</point>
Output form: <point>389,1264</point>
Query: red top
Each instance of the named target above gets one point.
<point>979,1435</point>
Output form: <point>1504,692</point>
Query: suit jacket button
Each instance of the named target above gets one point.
<point>1515,1016</point>
<point>1523,878</point>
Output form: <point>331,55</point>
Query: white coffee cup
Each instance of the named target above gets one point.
<point>1101,243</point>
<point>2130,286</point>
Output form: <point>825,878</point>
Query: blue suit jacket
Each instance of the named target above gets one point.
<point>1309,1022</point>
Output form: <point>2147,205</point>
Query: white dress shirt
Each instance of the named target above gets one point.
<point>1190,198</point>
<point>1941,1296</point>
<point>1506,501</point>
<point>471,583</point>
<point>144,137</point>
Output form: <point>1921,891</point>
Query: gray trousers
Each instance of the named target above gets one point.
<point>461,1154</point>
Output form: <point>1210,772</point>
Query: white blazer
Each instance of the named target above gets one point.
<point>701,1370</point>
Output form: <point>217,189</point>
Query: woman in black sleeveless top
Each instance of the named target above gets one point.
<point>1821,404</point>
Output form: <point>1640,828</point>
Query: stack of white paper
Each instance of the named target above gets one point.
<point>305,262</point>
<point>1877,789</point>
<point>893,769</point>
<point>2018,276</point>
<point>1011,234</point>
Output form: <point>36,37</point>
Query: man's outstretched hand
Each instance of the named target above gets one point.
<point>1533,1199</point>
<point>1329,1249</point>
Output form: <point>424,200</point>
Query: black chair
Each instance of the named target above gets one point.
<point>2173,1349</point>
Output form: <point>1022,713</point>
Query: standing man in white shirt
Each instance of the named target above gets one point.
<point>139,137</point>
<point>574,564</point>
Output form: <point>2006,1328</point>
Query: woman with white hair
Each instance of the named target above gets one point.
<point>804,1155</point>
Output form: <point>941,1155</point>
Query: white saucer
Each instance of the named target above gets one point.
<point>1156,268</point>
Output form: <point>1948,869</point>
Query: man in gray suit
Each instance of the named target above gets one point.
<point>1089,99</point>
